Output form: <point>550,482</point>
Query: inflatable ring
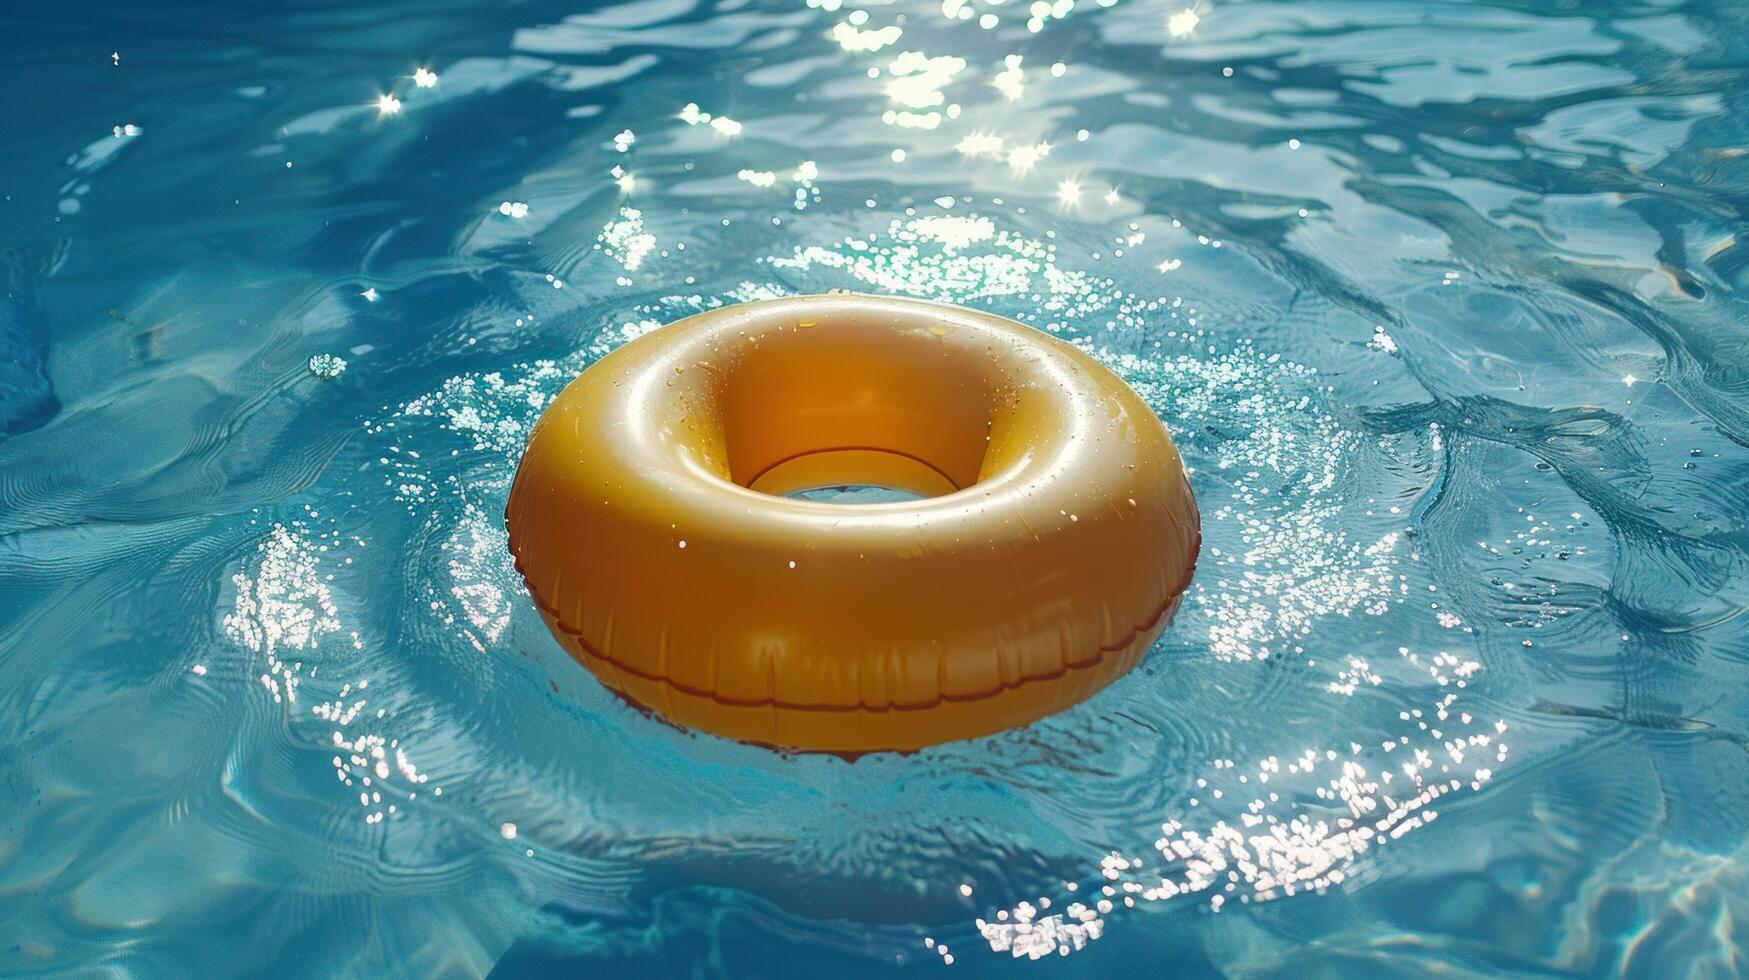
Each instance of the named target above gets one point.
<point>649,518</point>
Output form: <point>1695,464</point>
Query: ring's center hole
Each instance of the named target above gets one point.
<point>874,404</point>
<point>852,476</point>
<point>855,493</point>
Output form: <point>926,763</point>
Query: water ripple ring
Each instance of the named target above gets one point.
<point>1056,535</point>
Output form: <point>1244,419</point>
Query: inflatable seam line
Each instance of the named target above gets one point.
<point>1165,608</point>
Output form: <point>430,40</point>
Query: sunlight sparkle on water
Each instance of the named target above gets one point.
<point>918,78</point>
<point>980,146</point>
<point>1024,158</point>
<point>625,239</point>
<point>851,39</point>
<point>693,116</point>
<point>1011,81</point>
<point>1262,855</point>
<point>327,367</point>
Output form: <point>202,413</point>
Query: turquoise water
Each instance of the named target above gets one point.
<point>855,493</point>
<point>1443,301</point>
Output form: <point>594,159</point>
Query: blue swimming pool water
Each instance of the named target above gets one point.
<point>855,493</point>
<point>1444,302</point>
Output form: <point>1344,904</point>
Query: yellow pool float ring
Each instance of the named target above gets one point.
<point>649,520</point>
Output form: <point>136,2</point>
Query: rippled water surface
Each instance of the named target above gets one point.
<point>1443,302</point>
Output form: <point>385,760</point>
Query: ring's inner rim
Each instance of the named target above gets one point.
<point>853,465</point>
<point>905,403</point>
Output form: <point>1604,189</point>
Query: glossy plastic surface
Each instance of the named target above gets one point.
<point>1058,536</point>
